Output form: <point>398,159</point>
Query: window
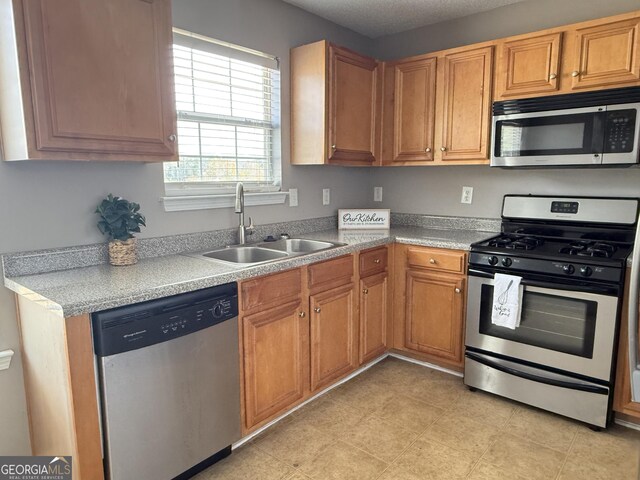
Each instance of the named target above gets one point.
<point>228,103</point>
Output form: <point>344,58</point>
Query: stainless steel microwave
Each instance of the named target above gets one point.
<point>582,129</point>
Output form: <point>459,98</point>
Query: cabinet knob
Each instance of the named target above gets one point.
<point>428,149</point>
<point>317,309</point>
<point>377,260</point>
<point>458,290</point>
<point>553,76</point>
<point>333,146</point>
<point>432,261</point>
<point>365,290</point>
<point>301,314</point>
<point>575,73</point>
<point>443,149</point>
<point>172,138</point>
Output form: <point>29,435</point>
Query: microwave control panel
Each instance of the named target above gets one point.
<point>619,131</point>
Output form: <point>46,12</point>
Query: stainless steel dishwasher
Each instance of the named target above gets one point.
<point>169,384</point>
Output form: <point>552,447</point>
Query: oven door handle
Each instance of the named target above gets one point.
<point>537,378</point>
<point>528,282</point>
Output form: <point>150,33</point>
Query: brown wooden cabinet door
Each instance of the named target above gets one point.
<point>334,335</point>
<point>354,96</point>
<point>434,314</point>
<point>275,363</point>
<point>607,55</point>
<point>101,76</point>
<point>374,307</point>
<point>466,105</point>
<point>415,91</point>
<point>529,66</point>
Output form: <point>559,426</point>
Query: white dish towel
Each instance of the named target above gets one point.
<point>507,301</point>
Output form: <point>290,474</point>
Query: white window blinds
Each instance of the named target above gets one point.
<point>228,107</point>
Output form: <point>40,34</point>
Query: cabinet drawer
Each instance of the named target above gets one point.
<point>373,261</point>
<point>437,259</point>
<point>265,291</point>
<point>332,272</point>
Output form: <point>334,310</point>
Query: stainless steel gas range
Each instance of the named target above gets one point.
<point>570,254</point>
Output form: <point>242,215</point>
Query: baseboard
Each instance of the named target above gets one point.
<point>625,423</point>
<point>426,364</point>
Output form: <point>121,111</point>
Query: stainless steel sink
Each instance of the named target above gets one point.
<point>242,255</point>
<point>296,246</point>
<point>245,255</point>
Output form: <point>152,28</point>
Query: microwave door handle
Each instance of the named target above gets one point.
<point>597,140</point>
<point>632,319</point>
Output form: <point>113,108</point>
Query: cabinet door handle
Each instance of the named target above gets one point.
<point>172,138</point>
<point>458,290</point>
<point>428,149</point>
<point>317,309</point>
<point>575,73</point>
<point>443,149</point>
<point>432,261</point>
<point>301,314</point>
<point>553,76</point>
<point>377,260</point>
<point>365,290</point>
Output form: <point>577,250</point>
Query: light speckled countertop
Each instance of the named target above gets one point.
<point>99,287</point>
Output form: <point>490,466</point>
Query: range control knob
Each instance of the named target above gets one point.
<point>586,271</point>
<point>217,311</point>
<point>493,260</point>
<point>568,269</point>
<point>507,262</point>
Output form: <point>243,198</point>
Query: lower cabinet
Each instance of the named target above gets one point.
<point>334,340</point>
<point>429,304</point>
<point>374,311</point>
<point>275,345</point>
<point>433,318</point>
<point>298,335</point>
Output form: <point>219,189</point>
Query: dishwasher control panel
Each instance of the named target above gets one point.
<point>144,324</point>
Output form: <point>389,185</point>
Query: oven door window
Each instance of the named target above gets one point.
<point>573,134</point>
<point>553,322</point>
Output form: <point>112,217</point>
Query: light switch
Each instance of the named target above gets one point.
<point>377,194</point>
<point>326,196</point>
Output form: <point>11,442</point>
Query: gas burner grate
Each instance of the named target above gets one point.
<point>590,249</point>
<point>516,243</point>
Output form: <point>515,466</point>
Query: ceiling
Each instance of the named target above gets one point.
<point>376,18</point>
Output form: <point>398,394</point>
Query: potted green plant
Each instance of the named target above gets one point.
<point>119,220</point>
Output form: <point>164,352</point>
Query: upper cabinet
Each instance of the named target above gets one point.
<point>413,108</point>
<point>87,80</point>
<point>466,105</point>
<point>529,66</point>
<point>335,106</point>
<point>438,108</point>
<point>593,55</point>
<point>606,55</point>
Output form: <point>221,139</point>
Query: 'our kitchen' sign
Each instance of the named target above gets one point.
<point>363,219</point>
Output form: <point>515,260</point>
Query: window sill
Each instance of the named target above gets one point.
<point>204,202</point>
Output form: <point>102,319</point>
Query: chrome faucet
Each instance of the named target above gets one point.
<point>243,230</point>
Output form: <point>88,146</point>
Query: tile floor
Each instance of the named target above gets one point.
<point>402,421</point>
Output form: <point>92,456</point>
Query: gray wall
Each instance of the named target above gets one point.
<point>51,204</point>
<point>438,190</point>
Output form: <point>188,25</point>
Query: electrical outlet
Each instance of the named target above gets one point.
<point>293,197</point>
<point>467,195</point>
<point>377,194</point>
<point>326,196</point>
